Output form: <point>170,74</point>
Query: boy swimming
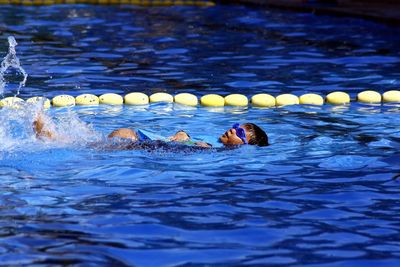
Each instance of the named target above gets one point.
<point>247,133</point>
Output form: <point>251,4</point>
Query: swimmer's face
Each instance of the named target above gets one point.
<point>230,137</point>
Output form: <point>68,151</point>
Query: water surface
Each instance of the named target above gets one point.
<point>321,195</point>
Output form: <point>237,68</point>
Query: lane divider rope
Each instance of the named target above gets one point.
<point>209,100</point>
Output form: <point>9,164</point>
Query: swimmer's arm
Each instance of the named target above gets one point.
<point>40,128</point>
<point>203,144</point>
<point>182,137</point>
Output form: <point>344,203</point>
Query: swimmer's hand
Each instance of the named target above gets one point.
<point>40,129</point>
<point>202,144</point>
<point>180,136</point>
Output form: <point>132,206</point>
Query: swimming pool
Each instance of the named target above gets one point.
<point>321,195</point>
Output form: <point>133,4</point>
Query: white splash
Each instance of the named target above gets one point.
<point>11,60</point>
<point>17,135</point>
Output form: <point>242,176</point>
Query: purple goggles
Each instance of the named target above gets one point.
<point>240,132</point>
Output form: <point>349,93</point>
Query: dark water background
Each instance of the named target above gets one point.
<point>321,195</point>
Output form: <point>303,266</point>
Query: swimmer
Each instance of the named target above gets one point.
<point>248,133</point>
<point>244,134</point>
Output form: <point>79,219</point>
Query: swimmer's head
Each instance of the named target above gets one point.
<point>247,133</point>
<point>124,133</point>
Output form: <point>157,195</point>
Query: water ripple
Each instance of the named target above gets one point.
<point>322,194</point>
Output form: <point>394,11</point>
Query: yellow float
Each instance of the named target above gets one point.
<point>391,96</point>
<point>263,100</point>
<point>111,99</point>
<point>311,99</point>
<point>63,101</point>
<point>37,99</point>
<point>136,98</point>
<point>87,100</point>
<point>11,101</point>
<point>338,98</point>
<point>236,100</point>
<point>212,100</point>
<point>186,99</point>
<point>161,97</point>
<point>369,97</point>
<point>287,99</point>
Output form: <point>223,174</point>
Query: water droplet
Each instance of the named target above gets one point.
<point>11,60</point>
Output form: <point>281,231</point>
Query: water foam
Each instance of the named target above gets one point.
<point>17,134</point>
<point>16,131</point>
<point>70,129</point>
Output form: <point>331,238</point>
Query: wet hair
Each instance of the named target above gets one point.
<point>257,135</point>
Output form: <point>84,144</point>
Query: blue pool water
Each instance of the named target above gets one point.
<point>321,195</point>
